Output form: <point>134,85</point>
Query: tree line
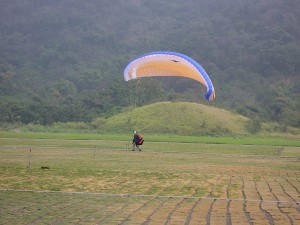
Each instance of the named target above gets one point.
<point>64,60</point>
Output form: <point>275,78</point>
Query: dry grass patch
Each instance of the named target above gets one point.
<point>125,187</point>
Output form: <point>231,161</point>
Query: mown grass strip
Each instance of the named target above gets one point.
<point>233,140</point>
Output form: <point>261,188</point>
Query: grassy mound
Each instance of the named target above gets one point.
<point>178,118</point>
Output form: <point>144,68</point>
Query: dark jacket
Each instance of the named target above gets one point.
<point>136,138</point>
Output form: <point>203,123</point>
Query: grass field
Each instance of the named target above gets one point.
<point>85,179</point>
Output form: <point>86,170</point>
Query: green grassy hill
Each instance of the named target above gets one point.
<point>186,118</point>
<point>178,118</point>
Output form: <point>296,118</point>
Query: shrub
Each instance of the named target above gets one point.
<point>98,123</point>
<point>253,126</point>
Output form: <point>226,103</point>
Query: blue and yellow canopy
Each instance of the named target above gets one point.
<point>169,64</point>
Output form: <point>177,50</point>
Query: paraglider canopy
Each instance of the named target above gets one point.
<point>169,64</point>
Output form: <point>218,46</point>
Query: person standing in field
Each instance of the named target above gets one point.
<point>137,141</point>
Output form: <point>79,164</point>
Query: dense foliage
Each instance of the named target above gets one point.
<point>64,60</point>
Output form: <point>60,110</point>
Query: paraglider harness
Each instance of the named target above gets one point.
<point>138,139</point>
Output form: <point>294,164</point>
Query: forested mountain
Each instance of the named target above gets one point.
<point>63,60</point>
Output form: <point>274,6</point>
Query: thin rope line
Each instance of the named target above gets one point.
<point>146,196</point>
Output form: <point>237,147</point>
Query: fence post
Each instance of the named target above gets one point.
<point>29,159</point>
